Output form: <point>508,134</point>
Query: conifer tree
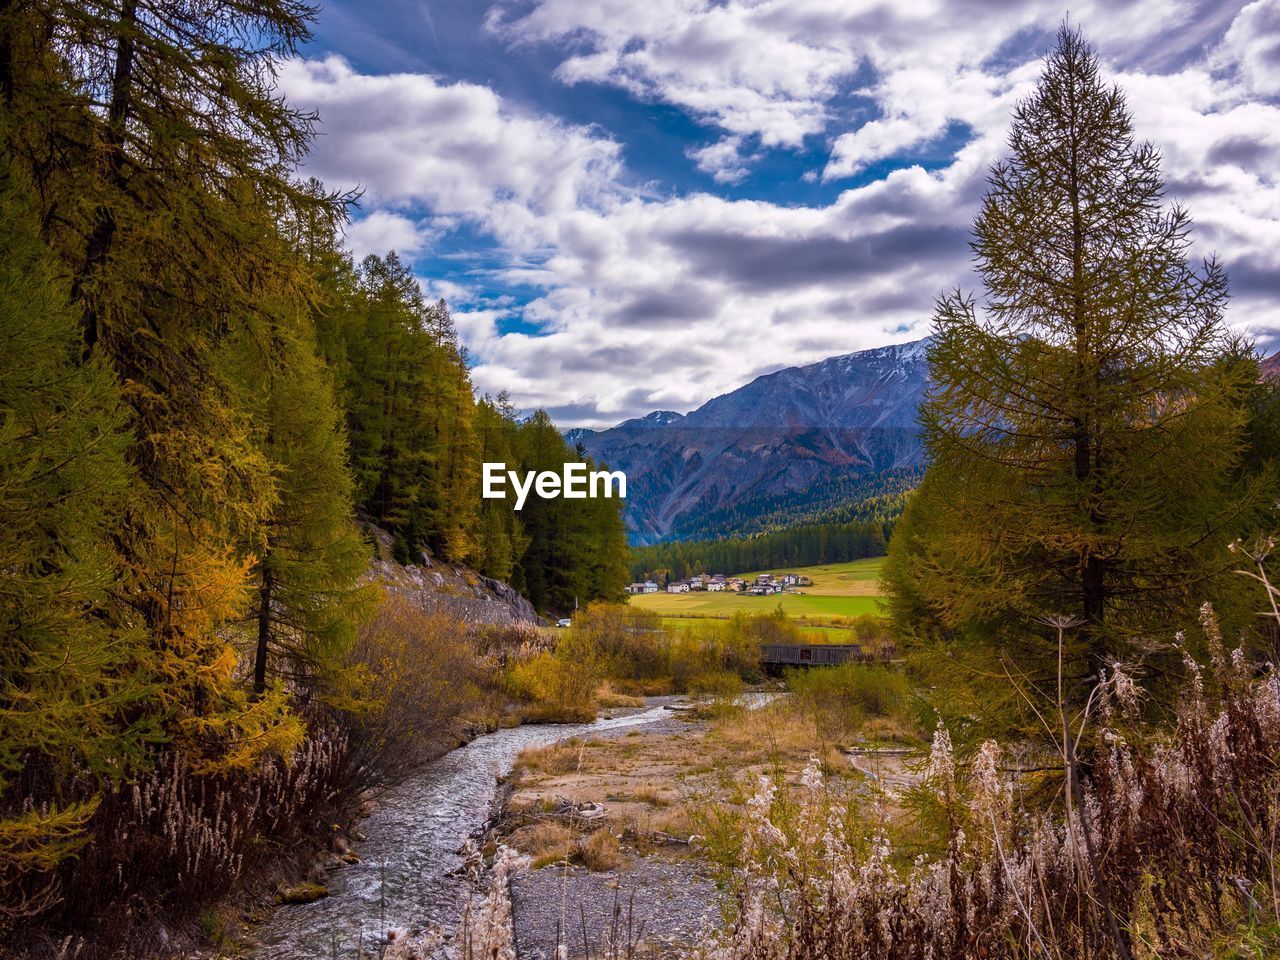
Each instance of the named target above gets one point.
<point>75,685</point>
<point>308,554</point>
<point>1084,423</point>
<point>161,156</point>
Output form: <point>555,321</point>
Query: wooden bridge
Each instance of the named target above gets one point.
<point>775,656</point>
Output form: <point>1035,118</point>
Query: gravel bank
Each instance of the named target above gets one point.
<point>674,906</point>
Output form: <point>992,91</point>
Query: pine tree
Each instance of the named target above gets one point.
<point>75,684</point>
<point>308,555</point>
<point>1084,426</point>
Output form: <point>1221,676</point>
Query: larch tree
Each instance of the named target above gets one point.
<point>76,688</point>
<point>161,156</point>
<point>308,555</point>
<point>1084,422</point>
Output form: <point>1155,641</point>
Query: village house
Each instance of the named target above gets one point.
<point>647,587</point>
<point>715,586</point>
<point>678,586</point>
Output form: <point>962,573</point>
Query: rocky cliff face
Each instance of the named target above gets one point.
<point>814,435</point>
<point>1271,366</point>
<point>459,591</point>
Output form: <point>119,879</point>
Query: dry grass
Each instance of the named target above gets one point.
<point>653,687</point>
<point>600,851</point>
<point>658,786</point>
<point>608,698</point>
<point>544,841</point>
<point>557,758</point>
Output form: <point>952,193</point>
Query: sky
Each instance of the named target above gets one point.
<point>633,205</point>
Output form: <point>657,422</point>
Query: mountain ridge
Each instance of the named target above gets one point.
<point>806,436</point>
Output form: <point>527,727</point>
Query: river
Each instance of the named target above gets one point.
<point>404,880</point>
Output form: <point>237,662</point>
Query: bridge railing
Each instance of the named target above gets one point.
<point>809,654</point>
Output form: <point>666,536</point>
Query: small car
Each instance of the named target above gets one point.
<point>562,622</point>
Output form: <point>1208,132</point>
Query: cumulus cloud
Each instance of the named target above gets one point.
<point>644,301</point>
<point>383,230</point>
<point>776,70</point>
<point>1251,48</point>
<point>456,148</point>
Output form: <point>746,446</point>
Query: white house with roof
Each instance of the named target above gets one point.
<point>678,586</point>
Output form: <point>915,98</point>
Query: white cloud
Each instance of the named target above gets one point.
<point>647,302</point>
<point>722,160</point>
<point>454,147</point>
<point>383,230</point>
<point>1251,48</point>
<point>776,70</point>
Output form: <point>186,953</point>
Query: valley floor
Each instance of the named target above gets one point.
<point>635,830</point>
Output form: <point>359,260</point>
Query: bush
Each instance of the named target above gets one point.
<point>559,686</point>
<point>718,685</point>
<point>628,642</point>
<point>412,679</point>
<point>839,699</point>
<point>600,851</point>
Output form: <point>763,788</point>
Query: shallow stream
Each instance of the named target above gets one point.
<point>405,878</point>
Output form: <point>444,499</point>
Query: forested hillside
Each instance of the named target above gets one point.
<point>864,532</point>
<point>418,437</point>
<point>198,392</point>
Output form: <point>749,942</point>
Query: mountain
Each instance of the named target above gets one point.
<point>788,444</point>
<point>1271,366</point>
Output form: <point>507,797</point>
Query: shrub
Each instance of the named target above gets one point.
<point>627,641</point>
<point>599,851</point>
<point>838,699</point>
<point>559,686</point>
<point>412,678</point>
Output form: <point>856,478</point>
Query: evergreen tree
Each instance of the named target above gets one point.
<point>308,555</point>
<point>160,152</point>
<point>1085,426</point>
<point>76,688</point>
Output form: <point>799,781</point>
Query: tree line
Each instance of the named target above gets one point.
<point>832,498</point>
<point>802,546</point>
<point>198,391</point>
<point>418,437</point>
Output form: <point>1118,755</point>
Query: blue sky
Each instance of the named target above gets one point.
<point>639,205</point>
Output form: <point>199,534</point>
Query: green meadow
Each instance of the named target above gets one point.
<point>839,591</point>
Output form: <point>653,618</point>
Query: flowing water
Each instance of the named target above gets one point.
<point>404,880</point>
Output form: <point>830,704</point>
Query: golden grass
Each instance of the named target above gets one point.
<point>565,757</point>
<point>607,697</point>
<point>545,842</point>
<point>600,851</point>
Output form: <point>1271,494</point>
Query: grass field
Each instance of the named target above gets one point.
<point>839,590</point>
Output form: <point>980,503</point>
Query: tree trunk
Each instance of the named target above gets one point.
<point>264,629</point>
<point>6,56</point>
<point>1092,572</point>
<point>100,238</point>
